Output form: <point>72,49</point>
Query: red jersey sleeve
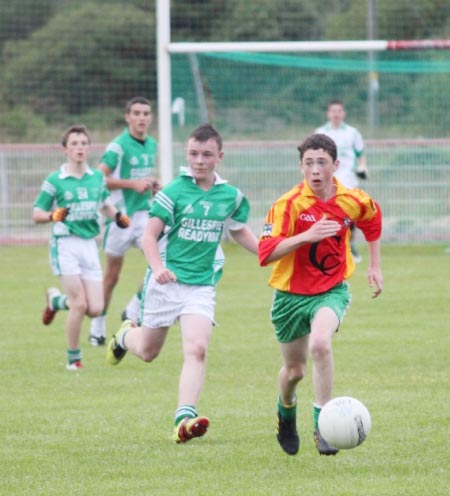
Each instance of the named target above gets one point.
<point>370,221</point>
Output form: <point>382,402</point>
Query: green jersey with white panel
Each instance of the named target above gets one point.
<point>83,196</point>
<point>129,158</point>
<point>196,220</point>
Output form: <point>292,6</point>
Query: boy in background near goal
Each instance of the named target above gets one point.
<point>306,235</point>
<point>184,270</point>
<point>70,198</point>
<point>128,164</point>
<point>350,145</point>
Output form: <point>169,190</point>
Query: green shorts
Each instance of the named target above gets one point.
<point>292,314</point>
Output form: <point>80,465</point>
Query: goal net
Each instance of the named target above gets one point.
<point>265,103</point>
<point>282,96</point>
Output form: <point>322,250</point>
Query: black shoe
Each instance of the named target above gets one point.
<point>323,447</point>
<point>97,340</point>
<point>287,435</point>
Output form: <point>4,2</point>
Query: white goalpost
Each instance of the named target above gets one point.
<point>165,48</point>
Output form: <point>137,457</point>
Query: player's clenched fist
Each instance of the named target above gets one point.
<point>122,220</point>
<point>59,214</point>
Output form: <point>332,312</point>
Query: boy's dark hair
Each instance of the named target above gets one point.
<point>317,141</point>
<point>336,101</point>
<point>204,133</point>
<point>76,128</point>
<point>136,99</point>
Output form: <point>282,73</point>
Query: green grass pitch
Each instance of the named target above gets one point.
<point>106,430</point>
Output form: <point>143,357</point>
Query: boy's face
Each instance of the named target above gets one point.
<point>77,148</point>
<point>336,114</point>
<point>203,157</point>
<point>139,119</point>
<point>318,169</point>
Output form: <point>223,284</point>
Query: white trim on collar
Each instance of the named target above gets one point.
<point>185,170</point>
<point>64,174</point>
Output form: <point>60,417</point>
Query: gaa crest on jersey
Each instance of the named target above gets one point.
<point>68,195</point>
<point>307,217</point>
<point>82,194</point>
<point>134,161</point>
<point>267,230</point>
<point>347,222</point>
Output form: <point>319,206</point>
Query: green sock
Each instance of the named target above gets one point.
<point>287,411</point>
<point>73,356</point>
<point>316,413</point>
<point>184,411</point>
<point>60,303</point>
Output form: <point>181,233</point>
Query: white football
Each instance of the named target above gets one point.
<point>344,422</point>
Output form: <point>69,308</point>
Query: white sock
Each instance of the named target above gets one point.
<point>98,326</point>
<point>133,309</point>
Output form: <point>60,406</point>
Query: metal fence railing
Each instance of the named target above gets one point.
<point>409,178</point>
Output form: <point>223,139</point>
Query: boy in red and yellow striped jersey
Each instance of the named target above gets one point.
<point>307,237</point>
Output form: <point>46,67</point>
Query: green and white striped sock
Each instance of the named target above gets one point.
<point>59,303</point>
<point>185,411</point>
<point>73,356</point>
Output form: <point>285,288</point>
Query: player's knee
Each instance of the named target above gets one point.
<point>94,310</point>
<point>320,348</point>
<point>148,355</point>
<point>198,351</point>
<point>78,305</point>
<point>296,373</point>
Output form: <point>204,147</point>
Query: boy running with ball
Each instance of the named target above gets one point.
<point>307,238</point>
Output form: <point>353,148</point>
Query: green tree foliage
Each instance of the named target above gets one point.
<point>402,19</point>
<point>275,20</point>
<point>198,20</point>
<point>65,60</point>
<point>84,58</point>
<point>20,18</point>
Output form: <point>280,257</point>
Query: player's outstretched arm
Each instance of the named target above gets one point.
<point>374,275</point>
<point>246,238</point>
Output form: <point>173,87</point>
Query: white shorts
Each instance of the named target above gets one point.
<point>163,304</point>
<point>74,256</point>
<point>117,241</point>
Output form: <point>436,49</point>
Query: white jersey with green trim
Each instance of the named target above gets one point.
<point>196,220</point>
<point>82,196</point>
<point>350,145</point>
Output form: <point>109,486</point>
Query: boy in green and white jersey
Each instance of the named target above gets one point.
<point>128,164</point>
<point>181,240</point>
<point>71,198</point>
